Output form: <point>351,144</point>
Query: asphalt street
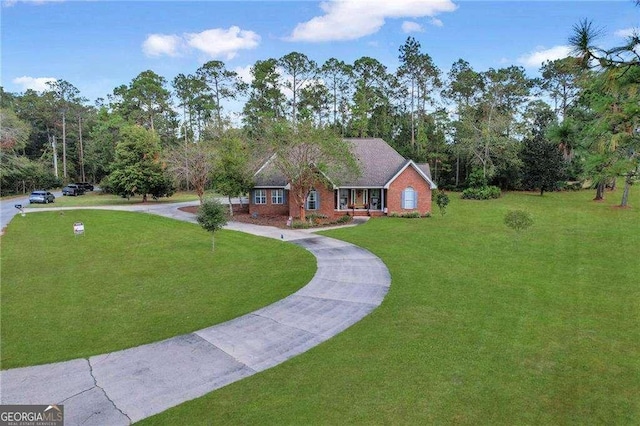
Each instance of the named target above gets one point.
<point>8,209</point>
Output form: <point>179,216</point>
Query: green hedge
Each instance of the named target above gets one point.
<point>483,193</point>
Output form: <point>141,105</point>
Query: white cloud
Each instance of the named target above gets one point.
<point>160,44</point>
<point>219,42</point>
<point>352,19</point>
<point>436,22</point>
<point>215,43</point>
<point>244,73</point>
<point>38,84</point>
<point>9,3</point>
<point>536,58</point>
<point>411,27</point>
<point>627,32</point>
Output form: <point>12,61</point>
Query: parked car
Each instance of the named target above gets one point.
<point>86,185</point>
<point>72,189</point>
<point>40,196</point>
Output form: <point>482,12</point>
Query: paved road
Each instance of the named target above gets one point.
<point>129,385</point>
<point>8,209</point>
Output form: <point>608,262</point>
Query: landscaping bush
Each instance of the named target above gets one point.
<point>411,215</point>
<point>316,218</point>
<point>344,219</point>
<point>518,220</point>
<point>482,193</point>
<point>477,179</point>
<point>299,224</point>
<point>407,215</point>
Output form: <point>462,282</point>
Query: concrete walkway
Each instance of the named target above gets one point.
<point>129,385</point>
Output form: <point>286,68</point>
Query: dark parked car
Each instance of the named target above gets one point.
<point>72,189</point>
<point>86,185</point>
<point>44,197</point>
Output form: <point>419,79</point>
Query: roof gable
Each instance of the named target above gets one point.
<point>417,168</point>
<point>268,176</point>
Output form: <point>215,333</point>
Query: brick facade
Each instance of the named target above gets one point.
<point>393,198</point>
<point>269,209</point>
<point>326,203</point>
<point>383,173</point>
<point>408,178</point>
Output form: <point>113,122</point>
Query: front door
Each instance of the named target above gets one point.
<point>359,198</point>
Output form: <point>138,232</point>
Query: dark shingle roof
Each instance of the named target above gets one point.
<point>269,176</point>
<point>378,161</point>
<point>425,169</point>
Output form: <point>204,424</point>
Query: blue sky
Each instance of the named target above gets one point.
<point>99,45</point>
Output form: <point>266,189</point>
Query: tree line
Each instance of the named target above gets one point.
<point>579,121</point>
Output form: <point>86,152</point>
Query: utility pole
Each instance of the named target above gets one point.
<point>64,144</point>
<point>55,155</point>
<point>81,148</point>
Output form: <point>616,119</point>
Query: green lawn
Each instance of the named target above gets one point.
<point>131,279</point>
<point>480,326</point>
<point>97,198</point>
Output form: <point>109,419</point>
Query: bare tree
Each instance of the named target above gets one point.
<point>306,155</point>
<point>192,163</point>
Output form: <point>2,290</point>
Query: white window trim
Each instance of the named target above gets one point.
<point>315,200</point>
<point>405,204</point>
<point>260,194</point>
<point>277,196</point>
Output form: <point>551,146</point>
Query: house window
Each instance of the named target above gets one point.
<point>409,198</point>
<point>344,199</point>
<point>312,200</point>
<point>277,196</point>
<point>260,196</point>
<point>375,199</point>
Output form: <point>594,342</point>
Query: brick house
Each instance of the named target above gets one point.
<point>388,183</point>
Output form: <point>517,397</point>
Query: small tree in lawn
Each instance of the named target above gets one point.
<point>442,200</point>
<point>518,220</point>
<point>212,217</point>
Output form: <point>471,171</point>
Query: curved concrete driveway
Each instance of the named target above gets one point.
<point>126,386</point>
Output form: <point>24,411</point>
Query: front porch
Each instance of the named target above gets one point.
<point>360,201</point>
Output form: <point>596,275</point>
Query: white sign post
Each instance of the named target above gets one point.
<point>78,228</point>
